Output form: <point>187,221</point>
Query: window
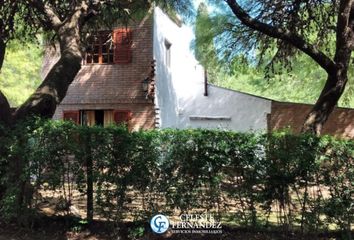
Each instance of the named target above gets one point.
<point>98,117</point>
<point>108,47</point>
<point>87,118</point>
<point>92,117</point>
<point>168,53</point>
<point>100,49</point>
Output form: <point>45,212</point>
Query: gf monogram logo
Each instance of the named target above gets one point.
<point>159,224</point>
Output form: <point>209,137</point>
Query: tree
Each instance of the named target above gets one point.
<point>309,27</point>
<point>66,20</point>
<point>8,10</point>
<point>20,74</point>
<point>204,47</point>
<point>302,84</point>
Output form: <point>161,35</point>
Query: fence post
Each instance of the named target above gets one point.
<point>89,177</point>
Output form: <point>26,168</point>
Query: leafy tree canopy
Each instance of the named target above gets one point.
<point>275,33</point>
<point>20,74</point>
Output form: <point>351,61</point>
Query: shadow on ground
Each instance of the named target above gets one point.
<point>64,228</point>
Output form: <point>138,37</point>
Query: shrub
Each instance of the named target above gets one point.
<point>280,178</point>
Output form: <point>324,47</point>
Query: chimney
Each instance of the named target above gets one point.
<point>205,82</point>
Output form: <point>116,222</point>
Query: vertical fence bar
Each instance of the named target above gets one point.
<point>89,177</point>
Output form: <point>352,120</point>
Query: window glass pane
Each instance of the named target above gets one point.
<point>88,58</point>
<point>99,117</point>
<point>96,40</point>
<point>95,58</point>
<point>104,49</point>
<point>89,49</point>
<point>104,58</point>
<point>106,38</point>
<point>96,49</point>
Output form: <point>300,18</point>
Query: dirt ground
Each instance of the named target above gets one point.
<point>51,225</point>
<point>63,229</point>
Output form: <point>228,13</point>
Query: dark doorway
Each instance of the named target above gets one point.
<point>99,117</point>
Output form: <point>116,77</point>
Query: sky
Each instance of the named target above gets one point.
<point>197,2</point>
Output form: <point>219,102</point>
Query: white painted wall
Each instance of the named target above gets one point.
<point>180,88</point>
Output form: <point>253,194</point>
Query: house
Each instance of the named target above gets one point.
<point>146,76</point>
<point>108,88</point>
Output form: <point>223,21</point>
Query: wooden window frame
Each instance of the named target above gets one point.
<point>100,35</point>
<point>122,40</point>
<point>74,115</point>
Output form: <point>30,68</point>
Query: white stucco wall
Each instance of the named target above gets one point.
<point>180,88</point>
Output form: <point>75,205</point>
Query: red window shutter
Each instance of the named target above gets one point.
<point>72,116</point>
<point>121,116</point>
<point>122,45</point>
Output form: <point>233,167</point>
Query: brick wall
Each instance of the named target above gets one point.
<point>340,122</point>
<point>114,86</point>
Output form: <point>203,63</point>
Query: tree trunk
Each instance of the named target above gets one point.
<point>333,89</point>
<point>326,103</point>
<point>337,70</point>
<point>5,111</point>
<point>2,52</point>
<point>50,93</point>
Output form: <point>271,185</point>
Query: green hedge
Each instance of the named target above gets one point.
<point>294,181</point>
